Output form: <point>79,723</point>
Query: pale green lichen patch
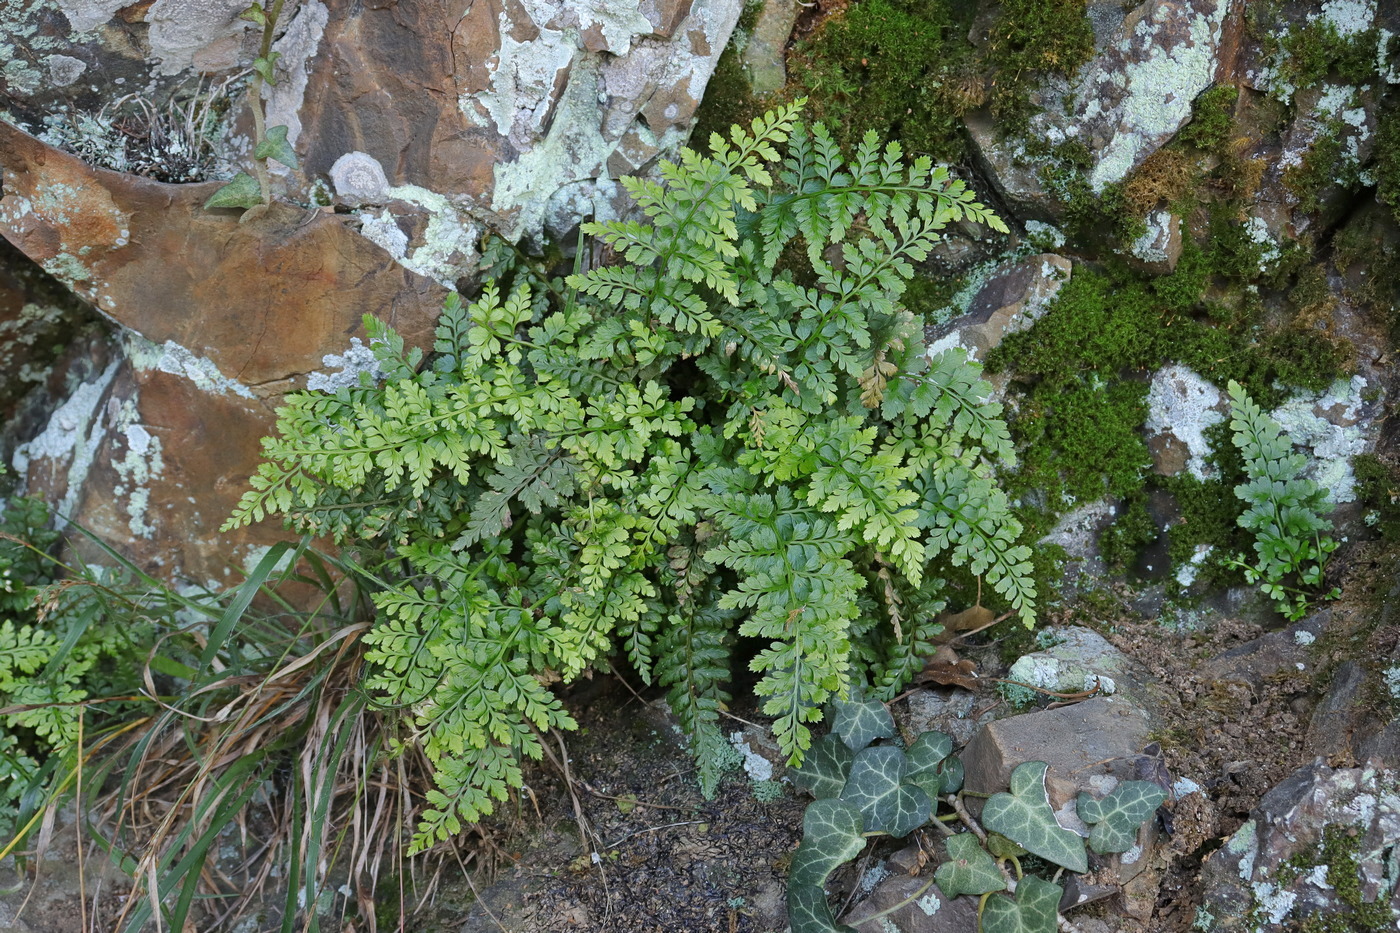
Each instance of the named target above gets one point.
<point>172,358</point>
<point>1160,90</point>
<point>141,462</point>
<point>448,250</point>
<point>1329,425</point>
<point>72,435</point>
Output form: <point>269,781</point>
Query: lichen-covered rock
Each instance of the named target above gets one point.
<point>1180,407</point>
<point>1128,101</point>
<point>1007,301</point>
<point>1320,846</point>
<point>1159,248</point>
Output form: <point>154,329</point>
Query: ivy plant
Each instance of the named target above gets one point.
<point>254,192</point>
<point>866,791</point>
<point>733,433</point>
<point>1286,511</point>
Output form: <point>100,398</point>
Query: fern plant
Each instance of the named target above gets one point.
<point>1285,511</point>
<point>733,433</point>
<point>55,652</point>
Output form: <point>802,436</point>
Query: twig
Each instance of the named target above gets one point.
<point>649,829</point>
<point>956,803</point>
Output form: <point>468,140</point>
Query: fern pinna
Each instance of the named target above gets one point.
<point>734,432</point>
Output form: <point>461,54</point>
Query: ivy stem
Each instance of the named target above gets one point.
<point>922,890</point>
<point>956,803</point>
<point>255,93</point>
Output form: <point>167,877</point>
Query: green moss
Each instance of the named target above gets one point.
<point>901,65</point>
<point>1212,119</point>
<point>908,67</point>
<point>1378,490</point>
<point>1339,852</point>
<point>1315,51</point>
<point>1031,38</point>
<point>1133,530</point>
<point>1322,167</point>
<point>1387,152</point>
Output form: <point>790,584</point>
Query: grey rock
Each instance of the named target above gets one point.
<point>952,711</point>
<point>1345,725</point>
<point>764,56</point>
<point>1159,248</point>
<point>1181,405</point>
<point>1079,659</point>
<point>1273,653</point>
<point>358,178</point>
<point>1013,298</point>
<point>932,912</point>
<point>1269,876</point>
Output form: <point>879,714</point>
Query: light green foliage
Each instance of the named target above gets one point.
<point>1285,511</point>
<point>1024,816</point>
<point>1117,817</point>
<point>888,791</point>
<point>1035,909</point>
<point>969,868</point>
<point>660,456</point>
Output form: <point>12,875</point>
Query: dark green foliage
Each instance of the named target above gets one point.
<point>899,64</point>
<point>886,790</point>
<point>1212,119</point>
<point>1378,489</point>
<point>660,457</point>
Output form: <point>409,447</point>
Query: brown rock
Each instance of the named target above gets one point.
<point>264,301</point>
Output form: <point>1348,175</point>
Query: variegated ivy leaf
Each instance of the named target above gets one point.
<point>1116,818</point>
<point>831,836</point>
<point>1001,847</point>
<point>1024,816</point>
<point>824,769</point>
<point>969,869</point>
<point>1035,909</point>
<point>861,721</point>
<point>242,191</point>
<point>926,758</point>
<point>876,788</point>
<point>952,770</point>
<point>274,145</point>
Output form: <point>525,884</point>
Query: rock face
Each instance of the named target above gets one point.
<point>1150,63</point>
<point>1318,846</point>
<point>425,122</point>
<point>1012,298</point>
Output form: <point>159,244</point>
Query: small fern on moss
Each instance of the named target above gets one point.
<point>1286,511</point>
<point>663,456</point>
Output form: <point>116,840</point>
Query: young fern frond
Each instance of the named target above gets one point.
<point>1285,511</point>
<point>697,445</point>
